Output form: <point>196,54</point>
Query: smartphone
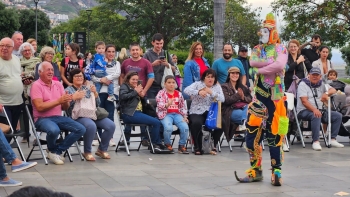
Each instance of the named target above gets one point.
<point>139,82</point>
<point>27,78</point>
<point>162,57</point>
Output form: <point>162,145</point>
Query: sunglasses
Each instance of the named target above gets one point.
<point>244,51</point>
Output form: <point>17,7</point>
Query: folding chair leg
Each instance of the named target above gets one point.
<point>263,145</point>
<point>299,130</point>
<point>286,141</point>
<point>149,137</point>
<point>19,149</point>
<point>67,153</point>
<point>79,151</point>
<point>219,147</point>
<point>324,137</point>
<point>229,144</point>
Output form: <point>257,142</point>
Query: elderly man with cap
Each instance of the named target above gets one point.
<point>222,65</point>
<point>243,57</point>
<point>312,92</point>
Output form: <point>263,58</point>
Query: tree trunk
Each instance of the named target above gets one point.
<point>219,22</point>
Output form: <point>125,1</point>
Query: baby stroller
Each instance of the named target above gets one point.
<point>338,103</point>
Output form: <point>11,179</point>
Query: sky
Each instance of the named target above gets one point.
<point>266,8</point>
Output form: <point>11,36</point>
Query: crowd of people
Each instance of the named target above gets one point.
<point>102,80</point>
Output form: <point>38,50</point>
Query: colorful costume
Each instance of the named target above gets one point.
<point>267,113</point>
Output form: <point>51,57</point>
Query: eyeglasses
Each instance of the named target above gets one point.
<point>244,51</point>
<point>27,51</point>
<point>48,53</point>
<point>5,46</point>
<point>78,76</point>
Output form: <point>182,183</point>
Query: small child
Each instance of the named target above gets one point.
<point>332,75</point>
<point>98,68</point>
<point>332,80</point>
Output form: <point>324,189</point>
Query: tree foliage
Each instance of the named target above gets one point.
<point>346,57</point>
<point>9,22</point>
<point>27,22</point>
<point>168,17</point>
<point>242,23</point>
<point>329,18</point>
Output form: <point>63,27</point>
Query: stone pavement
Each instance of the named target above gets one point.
<point>305,173</point>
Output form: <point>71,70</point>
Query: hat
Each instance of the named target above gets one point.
<point>270,21</point>
<point>243,48</point>
<point>315,70</point>
<point>234,70</point>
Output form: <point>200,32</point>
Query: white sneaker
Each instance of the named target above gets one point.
<point>111,98</point>
<point>316,146</point>
<point>61,155</point>
<point>242,128</point>
<point>112,143</point>
<point>285,147</point>
<point>95,143</point>
<point>336,144</point>
<point>55,158</point>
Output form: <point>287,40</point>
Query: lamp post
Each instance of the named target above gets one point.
<point>36,19</point>
<point>89,12</point>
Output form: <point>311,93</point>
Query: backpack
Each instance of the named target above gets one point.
<point>207,142</point>
<point>66,60</point>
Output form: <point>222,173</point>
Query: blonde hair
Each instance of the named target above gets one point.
<point>45,50</point>
<point>30,40</point>
<point>192,50</point>
<point>122,53</point>
<point>294,41</point>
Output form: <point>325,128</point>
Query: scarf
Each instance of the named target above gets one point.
<point>308,82</point>
<point>28,65</point>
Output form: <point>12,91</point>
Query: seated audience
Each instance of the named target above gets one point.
<point>323,63</point>
<point>47,54</point>
<point>132,99</point>
<point>78,91</point>
<point>172,110</point>
<point>235,108</point>
<point>311,93</point>
<point>49,99</point>
<point>203,93</point>
<point>17,165</point>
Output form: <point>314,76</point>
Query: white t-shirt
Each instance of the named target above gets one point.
<point>11,86</point>
<point>17,53</point>
<point>305,91</point>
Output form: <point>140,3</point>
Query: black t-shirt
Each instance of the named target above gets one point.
<point>310,54</point>
<point>71,65</point>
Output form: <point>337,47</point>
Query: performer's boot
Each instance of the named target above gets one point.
<point>276,177</point>
<point>253,175</point>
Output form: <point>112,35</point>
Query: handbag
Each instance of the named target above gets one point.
<point>213,120</point>
<point>5,128</point>
<point>101,113</point>
<point>85,108</point>
<point>239,105</point>
<point>149,110</point>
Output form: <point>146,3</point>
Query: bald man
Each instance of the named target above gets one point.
<point>17,38</point>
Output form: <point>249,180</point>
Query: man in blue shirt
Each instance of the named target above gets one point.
<point>222,65</point>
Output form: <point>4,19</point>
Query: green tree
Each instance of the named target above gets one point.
<point>329,18</point>
<point>346,57</point>
<point>9,21</point>
<point>168,17</point>
<point>27,21</point>
<point>242,23</point>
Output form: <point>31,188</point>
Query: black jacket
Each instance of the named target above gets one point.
<point>128,99</point>
<point>298,68</point>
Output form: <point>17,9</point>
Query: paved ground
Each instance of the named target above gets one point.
<point>305,172</point>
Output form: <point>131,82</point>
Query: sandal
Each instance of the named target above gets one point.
<point>103,155</point>
<point>88,157</point>
<point>198,152</point>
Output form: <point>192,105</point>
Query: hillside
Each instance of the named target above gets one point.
<point>69,7</point>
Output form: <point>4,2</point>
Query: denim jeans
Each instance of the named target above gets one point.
<point>152,92</point>
<point>141,118</point>
<point>53,125</point>
<point>101,74</point>
<point>5,152</point>
<point>177,119</point>
<point>239,115</point>
<point>108,106</point>
<point>106,124</point>
<point>336,119</point>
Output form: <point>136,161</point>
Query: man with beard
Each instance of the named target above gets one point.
<point>312,53</point>
<point>243,57</point>
<point>222,65</point>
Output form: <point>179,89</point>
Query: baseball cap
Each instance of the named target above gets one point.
<point>242,48</point>
<point>315,70</point>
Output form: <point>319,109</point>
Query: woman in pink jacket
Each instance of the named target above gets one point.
<point>171,110</point>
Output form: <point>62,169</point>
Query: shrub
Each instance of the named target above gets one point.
<point>182,56</point>
<point>181,69</point>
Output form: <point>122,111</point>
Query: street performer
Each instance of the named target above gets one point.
<point>267,112</point>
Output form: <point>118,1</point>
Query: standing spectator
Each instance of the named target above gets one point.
<point>17,38</point>
<point>145,74</point>
<point>296,64</point>
<point>195,66</point>
<point>33,42</point>
<point>113,74</point>
<point>47,54</point>
<point>123,55</point>
<point>11,87</point>
<point>323,63</point>
<point>28,62</point>
<point>49,99</point>
<point>203,93</point>
<point>243,57</point>
<point>312,54</point>
<point>88,59</point>
<point>222,65</point>
<point>70,62</point>
<point>177,71</point>
<point>159,59</point>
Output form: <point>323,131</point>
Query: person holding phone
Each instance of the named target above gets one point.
<point>159,59</point>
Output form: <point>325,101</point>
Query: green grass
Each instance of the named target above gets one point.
<point>347,81</point>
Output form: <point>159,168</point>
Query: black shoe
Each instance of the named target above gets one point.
<point>238,138</point>
<point>145,143</point>
<point>121,143</point>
